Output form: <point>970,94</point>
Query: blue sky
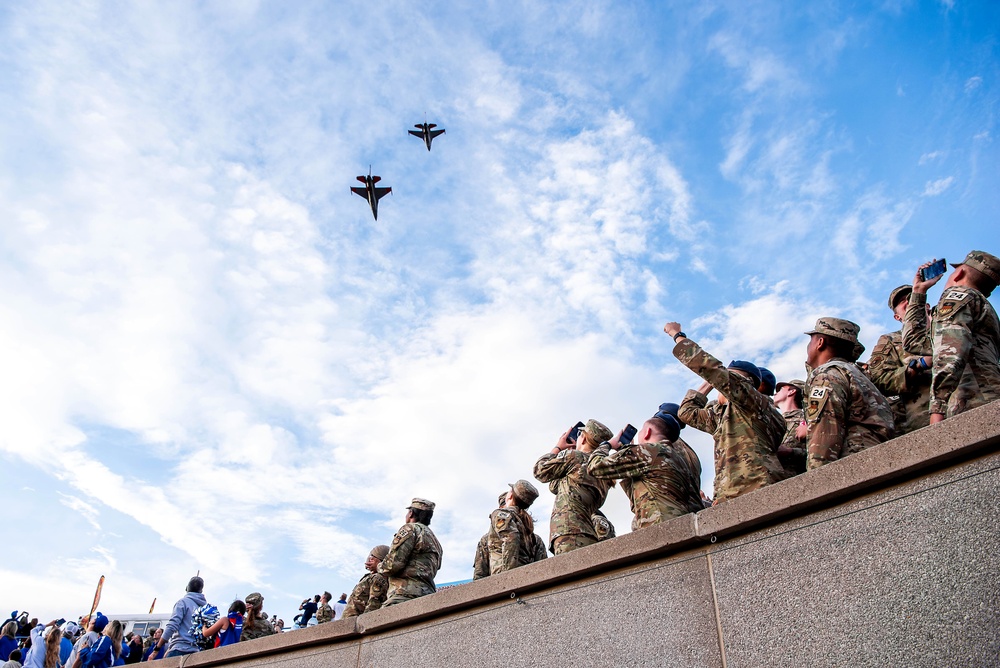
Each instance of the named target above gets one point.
<point>215,359</point>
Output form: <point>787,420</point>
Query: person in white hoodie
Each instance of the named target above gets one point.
<point>178,632</point>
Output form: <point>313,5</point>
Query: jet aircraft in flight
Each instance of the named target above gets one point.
<point>426,133</point>
<point>370,192</point>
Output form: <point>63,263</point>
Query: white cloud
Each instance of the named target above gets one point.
<point>89,513</point>
<point>933,156</point>
<point>973,83</point>
<point>934,188</point>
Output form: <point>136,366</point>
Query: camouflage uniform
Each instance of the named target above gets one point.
<point>508,541</point>
<point>324,613</point>
<point>578,496</point>
<point>369,594</point>
<point>966,336</point>
<point>794,463</point>
<point>887,369</point>
<point>747,428</point>
<point>261,625</point>
<point>481,564</point>
<point>919,342</point>
<point>662,480</point>
<point>413,560</point>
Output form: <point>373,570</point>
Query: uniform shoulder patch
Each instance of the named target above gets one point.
<point>956,295</point>
<point>401,535</point>
<point>501,519</point>
<point>949,307</point>
<point>816,400</point>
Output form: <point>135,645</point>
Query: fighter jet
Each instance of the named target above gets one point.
<point>426,133</point>
<point>370,192</point>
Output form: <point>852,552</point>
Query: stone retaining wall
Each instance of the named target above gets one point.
<point>890,557</point>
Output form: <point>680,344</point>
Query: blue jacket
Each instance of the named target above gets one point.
<point>178,632</point>
<point>6,646</point>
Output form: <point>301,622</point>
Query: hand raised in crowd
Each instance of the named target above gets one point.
<point>920,286</point>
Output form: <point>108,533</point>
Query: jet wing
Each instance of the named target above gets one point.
<point>363,192</point>
<point>380,192</point>
<point>416,133</point>
<point>435,133</point>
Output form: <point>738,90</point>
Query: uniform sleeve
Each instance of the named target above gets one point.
<point>886,370</point>
<point>551,467</point>
<point>357,599</point>
<point>826,414</point>
<point>797,458</point>
<point>693,413</point>
<point>377,594</point>
<point>625,463</point>
<point>916,337</point>
<point>510,538</point>
<point>481,566</point>
<point>953,340</point>
<point>399,552</point>
<point>539,544</point>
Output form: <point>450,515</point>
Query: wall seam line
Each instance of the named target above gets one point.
<point>715,607</point>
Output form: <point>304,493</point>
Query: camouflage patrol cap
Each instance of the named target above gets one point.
<point>420,504</point>
<point>597,431</point>
<point>845,330</point>
<point>255,599</point>
<point>984,262</point>
<point>524,491</point>
<point>897,295</point>
<point>379,552</point>
<point>797,384</point>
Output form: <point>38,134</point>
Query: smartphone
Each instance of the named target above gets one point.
<point>933,271</point>
<point>628,433</point>
<point>574,433</point>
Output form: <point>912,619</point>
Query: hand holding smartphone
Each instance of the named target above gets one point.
<point>934,270</point>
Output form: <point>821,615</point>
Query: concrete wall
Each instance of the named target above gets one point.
<point>886,558</point>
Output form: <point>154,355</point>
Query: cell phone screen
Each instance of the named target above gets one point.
<point>934,270</point>
<point>574,433</point>
<point>628,433</point>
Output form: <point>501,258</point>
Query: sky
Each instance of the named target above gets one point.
<point>214,359</point>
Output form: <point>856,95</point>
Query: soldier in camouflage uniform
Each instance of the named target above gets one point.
<point>897,374</point>
<point>966,337</point>
<point>370,592</point>
<point>324,612</point>
<point>845,412</point>
<point>660,474</point>
<point>579,495</point>
<point>509,540</point>
<point>481,564</point>
<point>255,622</point>
<point>747,428</point>
<point>414,556</point>
<point>792,450</point>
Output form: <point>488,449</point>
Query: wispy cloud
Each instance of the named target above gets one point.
<point>937,187</point>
